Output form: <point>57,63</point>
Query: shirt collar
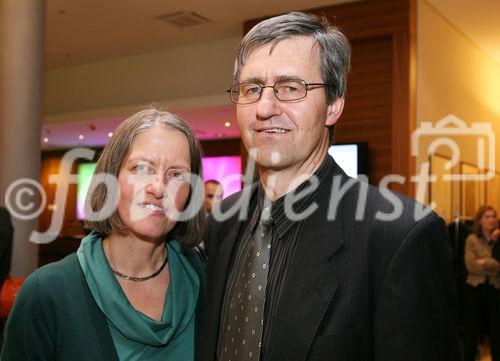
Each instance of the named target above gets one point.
<point>278,217</point>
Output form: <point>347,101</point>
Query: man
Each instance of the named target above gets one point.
<point>213,194</point>
<point>320,269</point>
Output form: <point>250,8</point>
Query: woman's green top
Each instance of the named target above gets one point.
<point>135,335</point>
<point>55,317</point>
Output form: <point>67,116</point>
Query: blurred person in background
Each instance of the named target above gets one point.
<point>482,288</point>
<point>213,194</point>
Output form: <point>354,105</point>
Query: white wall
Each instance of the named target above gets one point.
<point>190,72</point>
<point>454,76</point>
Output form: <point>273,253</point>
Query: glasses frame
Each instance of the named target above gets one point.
<point>307,85</point>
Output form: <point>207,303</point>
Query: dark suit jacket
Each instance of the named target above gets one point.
<point>6,237</point>
<point>357,290</point>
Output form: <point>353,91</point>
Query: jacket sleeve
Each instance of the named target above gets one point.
<point>29,333</point>
<point>492,265</point>
<point>208,238</point>
<point>416,311</point>
<point>489,268</point>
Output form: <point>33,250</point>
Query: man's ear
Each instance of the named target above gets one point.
<point>334,111</point>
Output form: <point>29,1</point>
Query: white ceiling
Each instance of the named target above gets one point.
<point>83,31</point>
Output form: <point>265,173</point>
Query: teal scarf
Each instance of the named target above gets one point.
<point>135,335</point>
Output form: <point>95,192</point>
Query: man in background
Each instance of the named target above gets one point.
<point>213,194</point>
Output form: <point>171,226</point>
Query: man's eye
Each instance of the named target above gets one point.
<point>251,89</point>
<point>288,87</point>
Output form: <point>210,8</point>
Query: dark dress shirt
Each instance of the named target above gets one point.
<point>285,233</point>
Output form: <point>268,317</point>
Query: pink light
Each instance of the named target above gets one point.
<point>226,170</point>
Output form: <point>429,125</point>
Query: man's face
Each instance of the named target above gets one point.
<point>213,195</point>
<point>287,135</point>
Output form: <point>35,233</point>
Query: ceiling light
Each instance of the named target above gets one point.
<point>110,134</point>
<point>227,124</point>
<point>81,136</point>
<point>45,140</point>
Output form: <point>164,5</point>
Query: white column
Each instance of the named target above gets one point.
<point>21,58</point>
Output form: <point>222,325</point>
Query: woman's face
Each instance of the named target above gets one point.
<point>489,221</point>
<point>154,182</point>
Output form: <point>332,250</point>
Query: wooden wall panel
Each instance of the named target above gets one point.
<point>212,148</point>
<point>50,166</point>
<point>367,113</point>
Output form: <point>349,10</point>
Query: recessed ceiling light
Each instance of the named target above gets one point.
<point>45,140</point>
<point>81,136</point>
<point>110,134</point>
<point>227,124</point>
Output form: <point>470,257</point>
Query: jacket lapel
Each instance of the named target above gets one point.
<point>311,283</point>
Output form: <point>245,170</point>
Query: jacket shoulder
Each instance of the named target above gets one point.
<point>56,280</point>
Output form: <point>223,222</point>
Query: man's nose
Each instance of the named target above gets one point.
<point>268,105</point>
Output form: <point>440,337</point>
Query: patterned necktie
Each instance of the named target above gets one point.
<point>245,317</point>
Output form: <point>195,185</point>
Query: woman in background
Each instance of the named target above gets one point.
<point>133,289</point>
<point>482,288</point>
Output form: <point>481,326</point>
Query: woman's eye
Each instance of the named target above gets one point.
<point>142,168</point>
<point>177,176</point>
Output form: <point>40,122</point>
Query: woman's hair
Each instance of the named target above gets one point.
<point>188,232</point>
<point>477,229</point>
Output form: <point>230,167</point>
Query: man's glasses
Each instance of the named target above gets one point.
<point>284,90</point>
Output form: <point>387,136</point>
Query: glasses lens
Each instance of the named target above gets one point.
<point>248,93</point>
<point>288,90</point>
<point>234,93</point>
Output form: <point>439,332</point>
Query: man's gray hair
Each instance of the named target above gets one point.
<point>335,50</point>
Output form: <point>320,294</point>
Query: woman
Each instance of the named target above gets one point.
<point>133,289</point>
<point>482,285</point>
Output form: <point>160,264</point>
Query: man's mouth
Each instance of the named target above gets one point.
<point>272,130</point>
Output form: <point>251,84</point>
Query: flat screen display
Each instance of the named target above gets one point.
<point>85,172</point>
<point>352,158</point>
